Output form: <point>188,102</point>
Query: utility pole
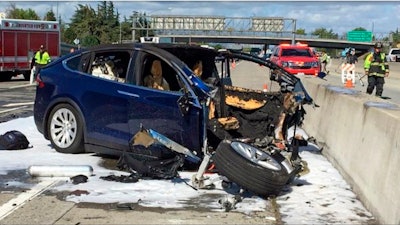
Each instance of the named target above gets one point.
<point>294,32</point>
<point>120,33</point>
<point>134,21</point>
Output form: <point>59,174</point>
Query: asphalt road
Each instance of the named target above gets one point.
<point>16,99</point>
<point>392,83</point>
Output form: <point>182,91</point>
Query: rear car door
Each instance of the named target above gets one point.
<point>105,108</point>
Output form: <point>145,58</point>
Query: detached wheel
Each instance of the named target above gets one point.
<point>255,170</point>
<point>65,129</point>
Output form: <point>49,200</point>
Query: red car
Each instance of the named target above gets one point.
<point>296,59</point>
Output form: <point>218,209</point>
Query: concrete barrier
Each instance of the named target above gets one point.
<point>361,138</point>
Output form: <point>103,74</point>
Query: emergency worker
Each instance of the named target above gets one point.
<point>376,68</point>
<point>324,61</point>
<point>40,59</point>
<point>351,57</point>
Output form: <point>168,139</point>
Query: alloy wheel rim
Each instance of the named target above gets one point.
<point>256,155</point>
<point>63,128</point>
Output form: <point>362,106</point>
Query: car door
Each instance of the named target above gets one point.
<point>275,55</point>
<point>105,108</point>
<point>164,110</point>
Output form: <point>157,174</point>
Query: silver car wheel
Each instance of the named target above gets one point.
<point>256,156</point>
<point>63,128</point>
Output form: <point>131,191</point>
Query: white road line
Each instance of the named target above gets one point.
<point>23,85</point>
<point>13,109</point>
<point>15,203</point>
<point>18,104</point>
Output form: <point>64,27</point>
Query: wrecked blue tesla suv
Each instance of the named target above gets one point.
<point>101,99</point>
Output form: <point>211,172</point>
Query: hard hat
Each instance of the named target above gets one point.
<point>378,45</point>
<point>41,47</point>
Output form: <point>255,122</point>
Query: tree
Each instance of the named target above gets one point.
<point>83,24</point>
<point>301,31</point>
<point>15,13</point>
<point>395,38</point>
<point>126,29</point>
<point>94,27</point>
<point>359,29</point>
<point>324,33</point>
<point>108,23</point>
<point>67,35</point>
<point>50,16</point>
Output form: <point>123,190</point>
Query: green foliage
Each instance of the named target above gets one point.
<point>94,27</point>
<point>15,13</point>
<point>301,31</point>
<point>67,35</point>
<point>395,36</point>
<point>50,16</point>
<point>126,30</point>
<point>90,40</point>
<point>324,33</point>
<point>359,29</point>
<point>218,46</point>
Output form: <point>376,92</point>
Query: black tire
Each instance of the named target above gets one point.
<point>65,129</point>
<point>262,177</point>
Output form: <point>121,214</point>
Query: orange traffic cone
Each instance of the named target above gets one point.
<point>349,83</point>
<point>265,88</point>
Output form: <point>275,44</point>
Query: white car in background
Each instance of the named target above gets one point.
<point>394,55</point>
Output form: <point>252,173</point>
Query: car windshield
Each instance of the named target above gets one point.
<point>296,52</point>
<point>395,51</point>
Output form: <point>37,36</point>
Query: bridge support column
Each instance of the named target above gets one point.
<point>266,47</point>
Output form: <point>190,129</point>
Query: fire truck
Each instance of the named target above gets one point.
<point>20,40</point>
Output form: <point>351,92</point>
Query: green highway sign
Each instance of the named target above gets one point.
<point>359,36</point>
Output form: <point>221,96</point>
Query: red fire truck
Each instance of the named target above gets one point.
<point>19,41</point>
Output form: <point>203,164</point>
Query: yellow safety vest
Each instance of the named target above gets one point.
<point>42,58</point>
<point>376,68</point>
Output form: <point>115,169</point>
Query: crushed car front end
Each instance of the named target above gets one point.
<point>246,129</point>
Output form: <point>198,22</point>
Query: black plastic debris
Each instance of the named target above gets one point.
<point>132,178</point>
<point>79,179</point>
<point>155,161</point>
<point>13,140</point>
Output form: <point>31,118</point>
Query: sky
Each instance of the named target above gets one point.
<point>319,197</point>
<point>380,17</point>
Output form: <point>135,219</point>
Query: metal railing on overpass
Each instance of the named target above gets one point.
<point>245,30</point>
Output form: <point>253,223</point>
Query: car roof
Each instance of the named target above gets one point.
<point>155,46</point>
<point>294,46</point>
<point>168,50</point>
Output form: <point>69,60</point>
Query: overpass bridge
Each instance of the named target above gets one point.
<point>267,40</point>
<point>242,30</point>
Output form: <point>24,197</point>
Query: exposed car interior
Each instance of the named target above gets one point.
<point>110,65</point>
<point>166,72</point>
